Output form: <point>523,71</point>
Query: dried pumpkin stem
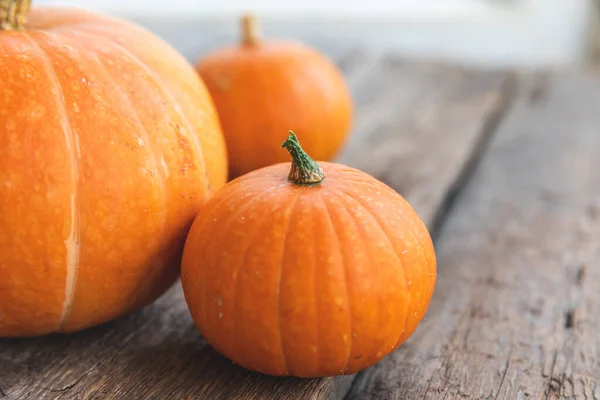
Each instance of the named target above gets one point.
<point>304,170</point>
<point>13,14</point>
<point>250,29</point>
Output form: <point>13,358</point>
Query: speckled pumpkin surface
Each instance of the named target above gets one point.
<point>319,278</point>
<point>109,145</point>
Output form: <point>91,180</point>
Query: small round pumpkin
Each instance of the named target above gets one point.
<point>109,146</point>
<point>261,87</point>
<point>317,273</point>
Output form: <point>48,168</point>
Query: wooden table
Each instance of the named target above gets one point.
<point>505,170</point>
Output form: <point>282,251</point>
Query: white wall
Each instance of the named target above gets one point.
<point>498,31</point>
<point>356,7</point>
<point>451,8</point>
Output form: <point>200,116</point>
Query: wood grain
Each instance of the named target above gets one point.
<point>421,126</point>
<point>516,312</point>
<point>417,127</point>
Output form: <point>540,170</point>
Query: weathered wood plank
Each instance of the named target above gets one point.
<point>516,312</point>
<point>419,124</point>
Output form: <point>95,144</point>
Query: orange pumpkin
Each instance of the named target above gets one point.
<point>263,87</point>
<point>109,145</point>
<point>319,273</point>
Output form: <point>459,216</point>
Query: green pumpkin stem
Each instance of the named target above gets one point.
<point>305,171</point>
<point>13,14</point>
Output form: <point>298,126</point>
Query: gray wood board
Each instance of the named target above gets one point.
<point>418,127</point>
<point>516,311</point>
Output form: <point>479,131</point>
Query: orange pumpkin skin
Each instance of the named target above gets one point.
<point>262,88</point>
<point>109,145</point>
<point>307,281</point>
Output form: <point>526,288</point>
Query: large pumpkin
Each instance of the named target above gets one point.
<point>109,145</point>
<point>263,87</point>
<point>320,273</point>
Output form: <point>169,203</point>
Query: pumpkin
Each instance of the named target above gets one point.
<point>262,87</point>
<point>109,146</point>
<point>319,272</point>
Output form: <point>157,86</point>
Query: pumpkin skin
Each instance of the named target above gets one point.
<point>109,145</point>
<point>309,281</point>
<point>263,87</point>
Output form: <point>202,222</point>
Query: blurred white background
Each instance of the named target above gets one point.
<point>524,32</point>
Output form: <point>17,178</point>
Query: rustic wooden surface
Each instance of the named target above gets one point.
<point>516,312</point>
<point>420,127</point>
